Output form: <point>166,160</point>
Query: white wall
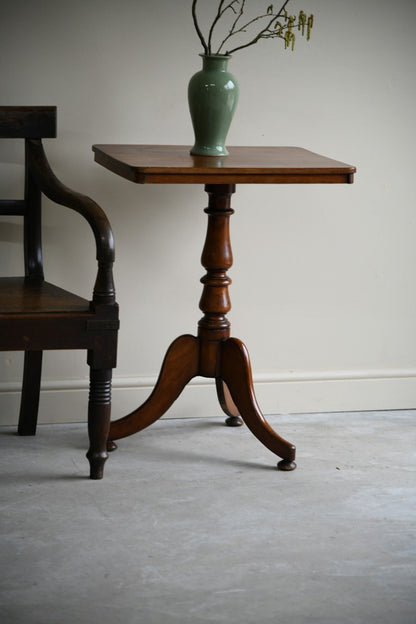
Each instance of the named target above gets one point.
<point>324,277</point>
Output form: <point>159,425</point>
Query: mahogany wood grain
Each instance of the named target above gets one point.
<point>227,404</point>
<point>172,164</point>
<point>235,371</point>
<point>37,296</point>
<point>180,365</point>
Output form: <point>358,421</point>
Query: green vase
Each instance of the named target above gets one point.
<point>212,96</point>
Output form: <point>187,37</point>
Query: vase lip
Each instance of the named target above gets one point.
<point>218,56</point>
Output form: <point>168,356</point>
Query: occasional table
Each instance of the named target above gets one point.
<point>212,352</point>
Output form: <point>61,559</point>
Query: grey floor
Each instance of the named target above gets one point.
<point>192,524</point>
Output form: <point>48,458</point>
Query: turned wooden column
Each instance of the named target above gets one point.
<point>216,258</point>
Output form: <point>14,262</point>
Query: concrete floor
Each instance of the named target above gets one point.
<point>193,524</point>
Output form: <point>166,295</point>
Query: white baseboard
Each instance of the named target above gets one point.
<point>63,402</point>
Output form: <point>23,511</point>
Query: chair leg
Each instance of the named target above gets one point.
<point>29,403</point>
<point>99,411</point>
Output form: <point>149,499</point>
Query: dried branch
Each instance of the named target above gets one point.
<point>198,30</point>
<point>279,25</point>
<point>220,13</point>
<point>235,31</point>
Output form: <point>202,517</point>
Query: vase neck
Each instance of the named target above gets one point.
<point>217,62</point>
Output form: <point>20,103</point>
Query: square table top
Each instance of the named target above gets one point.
<point>173,164</point>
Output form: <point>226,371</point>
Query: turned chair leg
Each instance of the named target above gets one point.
<point>99,411</point>
<point>29,402</point>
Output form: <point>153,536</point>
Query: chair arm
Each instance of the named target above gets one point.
<point>49,185</point>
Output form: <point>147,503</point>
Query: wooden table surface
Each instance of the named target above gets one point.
<point>173,164</point>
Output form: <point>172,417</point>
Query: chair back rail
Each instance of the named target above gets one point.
<point>12,207</point>
<point>27,122</point>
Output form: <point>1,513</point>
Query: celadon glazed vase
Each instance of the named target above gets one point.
<point>212,97</point>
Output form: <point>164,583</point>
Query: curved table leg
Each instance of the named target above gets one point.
<point>235,371</point>
<point>179,367</point>
<point>227,404</point>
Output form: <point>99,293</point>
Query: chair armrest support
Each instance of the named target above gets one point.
<point>51,187</point>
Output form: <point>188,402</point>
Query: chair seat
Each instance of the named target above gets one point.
<point>36,315</point>
<point>23,297</point>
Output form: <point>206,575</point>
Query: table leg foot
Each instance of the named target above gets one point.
<point>233,421</point>
<point>235,371</point>
<point>286,465</point>
<point>111,446</point>
<point>179,367</point>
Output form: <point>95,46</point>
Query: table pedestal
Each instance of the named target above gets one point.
<point>212,353</point>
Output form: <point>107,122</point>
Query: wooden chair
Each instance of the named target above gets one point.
<point>36,315</point>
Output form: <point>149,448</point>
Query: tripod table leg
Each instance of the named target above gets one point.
<point>235,371</point>
<point>227,404</point>
<point>179,367</point>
